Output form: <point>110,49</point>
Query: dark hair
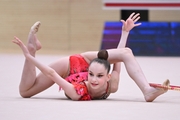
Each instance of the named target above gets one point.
<point>102,57</point>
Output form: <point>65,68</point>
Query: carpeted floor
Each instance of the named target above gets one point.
<point>126,104</point>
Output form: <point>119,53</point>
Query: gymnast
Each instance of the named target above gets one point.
<point>84,76</point>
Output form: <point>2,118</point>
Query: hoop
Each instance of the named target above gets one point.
<point>170,87</point>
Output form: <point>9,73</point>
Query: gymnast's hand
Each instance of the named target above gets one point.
<point>130,22</point>
<point>21,45</point>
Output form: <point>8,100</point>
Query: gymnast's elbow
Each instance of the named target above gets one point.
<point>114,88</point>
<point>75,98</point>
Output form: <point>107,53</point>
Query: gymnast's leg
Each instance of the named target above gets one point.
<point>28,78</point>
<point>135,72</point>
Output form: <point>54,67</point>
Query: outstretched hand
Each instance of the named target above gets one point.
<point>130,22</point>
<point>17,41</point>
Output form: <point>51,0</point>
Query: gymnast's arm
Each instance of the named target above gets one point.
<point>128,25</point>
<point>115,76</point>
<point>49,72</point>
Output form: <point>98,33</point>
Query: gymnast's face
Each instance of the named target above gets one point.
<point>97,75</point>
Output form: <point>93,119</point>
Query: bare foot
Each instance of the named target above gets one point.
<point>155,92</point>
<point>33,42</point>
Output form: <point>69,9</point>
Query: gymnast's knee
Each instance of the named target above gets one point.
<point>126,53</point>
<point>24,94</point>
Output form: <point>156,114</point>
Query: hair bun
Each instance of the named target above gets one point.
<point>103,54</point>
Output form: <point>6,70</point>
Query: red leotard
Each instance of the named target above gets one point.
<point>78,74</point>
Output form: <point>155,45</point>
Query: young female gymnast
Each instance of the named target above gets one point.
<point>84,76</point>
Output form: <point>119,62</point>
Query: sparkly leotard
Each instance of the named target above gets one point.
<point>78,75</point>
